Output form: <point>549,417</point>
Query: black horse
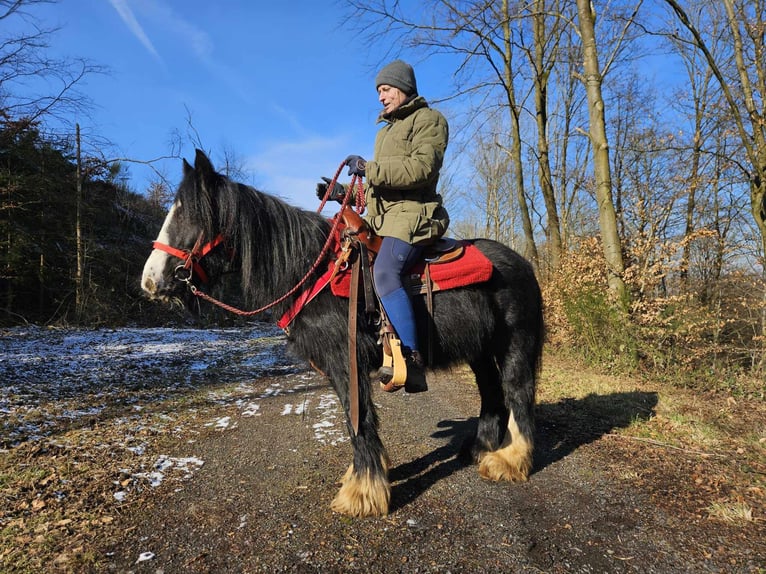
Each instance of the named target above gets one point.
<point>496,327</point>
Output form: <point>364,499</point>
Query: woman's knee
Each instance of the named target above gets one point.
<point>394,257</point>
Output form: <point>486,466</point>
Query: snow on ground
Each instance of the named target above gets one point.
<point>52,380</point>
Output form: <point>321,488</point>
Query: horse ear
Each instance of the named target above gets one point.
<point>203,165</point>
<point>187,168</point>
<point>205,173</point>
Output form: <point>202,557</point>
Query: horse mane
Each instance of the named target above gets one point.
<point>275,243</point>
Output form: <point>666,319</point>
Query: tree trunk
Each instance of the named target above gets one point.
<point>543,159</point>
<point>610,237</point>
<point>78,232</point>
<point>530,251</point>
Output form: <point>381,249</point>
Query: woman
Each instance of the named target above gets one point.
<point>402,204</point>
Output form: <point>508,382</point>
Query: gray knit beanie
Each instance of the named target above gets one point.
<point>399,75</point>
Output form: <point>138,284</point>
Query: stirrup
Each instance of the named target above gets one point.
<point>395,362</point>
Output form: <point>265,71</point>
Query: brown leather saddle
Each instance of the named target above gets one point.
<point>441,251</point>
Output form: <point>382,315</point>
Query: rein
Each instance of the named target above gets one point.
<point>192,258</point>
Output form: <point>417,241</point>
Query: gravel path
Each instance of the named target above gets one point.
<point>171,451</point>
<point>261,502</point>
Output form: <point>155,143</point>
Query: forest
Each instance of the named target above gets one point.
<point>71,244</point>
<point>647,230</point>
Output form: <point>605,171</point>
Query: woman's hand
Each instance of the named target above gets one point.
<point>356,165</point>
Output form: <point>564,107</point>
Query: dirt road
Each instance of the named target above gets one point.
<point>260,502</point>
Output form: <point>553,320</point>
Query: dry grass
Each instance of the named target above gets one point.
<point>57,495</point>
<point>739,513</point>
<point>711,445</point>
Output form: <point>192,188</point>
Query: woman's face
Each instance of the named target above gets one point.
<point>390,97</point>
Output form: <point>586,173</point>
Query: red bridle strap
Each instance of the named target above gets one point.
<point>191,258</point>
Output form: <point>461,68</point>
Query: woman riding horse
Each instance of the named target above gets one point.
<point>218,226</point>
<point>403,206</point>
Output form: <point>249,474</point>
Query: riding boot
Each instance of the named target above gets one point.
<point>416,372</point>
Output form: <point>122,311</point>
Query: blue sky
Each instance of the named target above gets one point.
<point>281,85</point>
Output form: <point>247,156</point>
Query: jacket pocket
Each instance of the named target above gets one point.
<point>431,223</point>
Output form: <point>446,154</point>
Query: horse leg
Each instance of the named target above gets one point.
<point>365,489</point>
<point>503,442</point>
<point>493,413</point>
<point>512,460</point>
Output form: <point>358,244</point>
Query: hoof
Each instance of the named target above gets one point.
<point>511,462</point>
<point>498,466</point>
<point>362,496</point>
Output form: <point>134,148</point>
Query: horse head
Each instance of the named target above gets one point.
<point>187,252</point>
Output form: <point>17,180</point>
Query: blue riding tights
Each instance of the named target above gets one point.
<point>394,258</point>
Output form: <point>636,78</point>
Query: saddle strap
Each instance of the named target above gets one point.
<point>353,371</point>
<point>367,283</point>
<point>430,308</point>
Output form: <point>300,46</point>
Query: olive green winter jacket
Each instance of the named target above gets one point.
<point>402,176</point>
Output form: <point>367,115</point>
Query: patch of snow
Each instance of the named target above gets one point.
<point>182,467</point>
<point>56,379</point>
<point>251,410</point>
<point>328,430</point>
<point>46,372</point>
<point>272,391</point>
<point>221,424</point>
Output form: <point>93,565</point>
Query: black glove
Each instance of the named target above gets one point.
<point>356,165</point>
<point>337,193</point>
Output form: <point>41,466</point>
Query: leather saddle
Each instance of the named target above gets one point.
<point>441,251</point>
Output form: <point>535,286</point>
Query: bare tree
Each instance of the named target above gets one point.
<point>32,84</point>
<point>610,236</point>
<point>570,153</point>
<point>480,35</point>
<point>743,90</point>
<point>493,197</point>
<point>542,58</point>
<point>700,80</point>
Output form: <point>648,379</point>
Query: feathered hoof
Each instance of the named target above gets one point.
<point>362,496</point>
<point>506,465</point>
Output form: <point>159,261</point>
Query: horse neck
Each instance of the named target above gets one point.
<point>279,245</point>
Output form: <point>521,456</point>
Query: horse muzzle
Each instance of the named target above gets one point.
<point>156,282</point>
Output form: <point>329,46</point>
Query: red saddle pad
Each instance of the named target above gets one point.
<point>470,268</point>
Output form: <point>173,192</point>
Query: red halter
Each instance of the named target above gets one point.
<point>191,258</point>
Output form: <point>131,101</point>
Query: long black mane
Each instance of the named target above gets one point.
<point>275,243</point>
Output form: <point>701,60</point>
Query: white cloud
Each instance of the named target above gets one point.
<point>163,15</point>
<point>189,34</point>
